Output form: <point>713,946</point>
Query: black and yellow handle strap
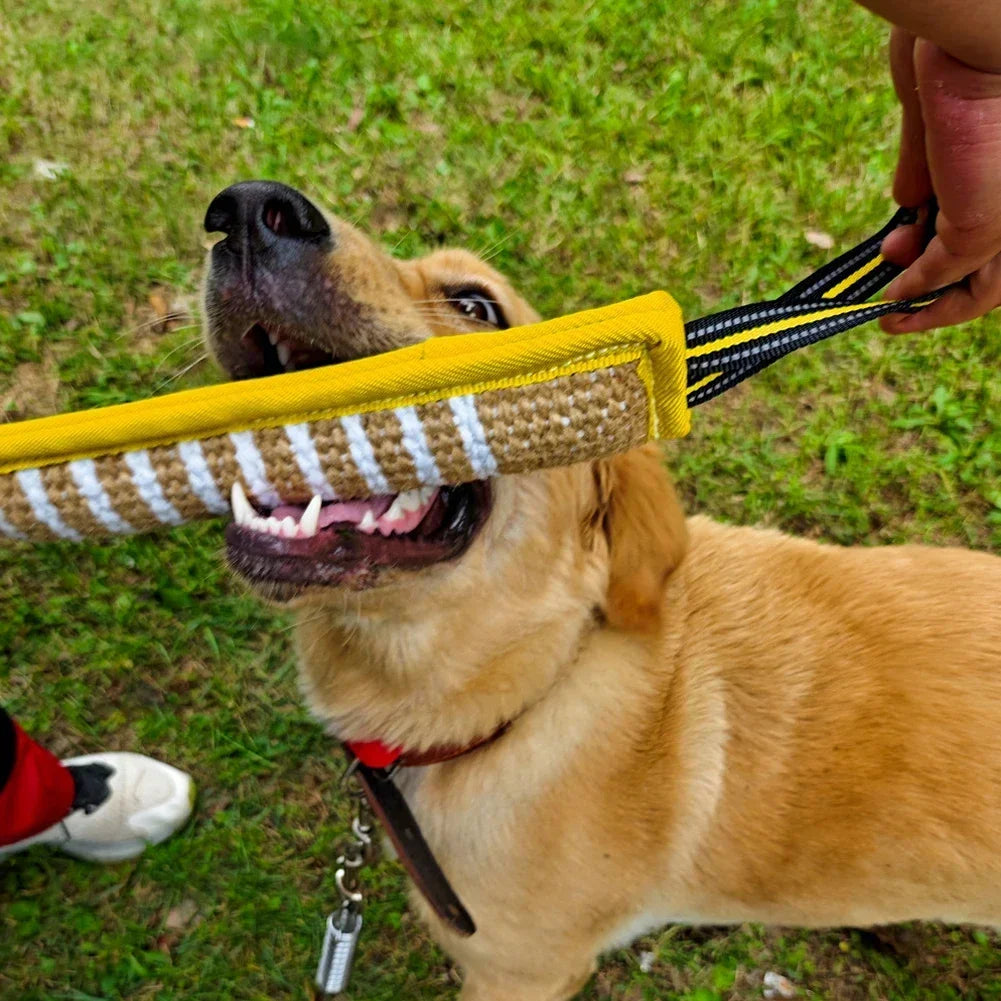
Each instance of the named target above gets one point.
<point>725,348</point>
<point>858,272</point>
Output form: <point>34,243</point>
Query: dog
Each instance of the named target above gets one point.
<point>706,724</point>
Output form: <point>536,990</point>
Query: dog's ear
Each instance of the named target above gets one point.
<point>644,526</point>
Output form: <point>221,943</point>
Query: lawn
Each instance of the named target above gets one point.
<point>595,151</point>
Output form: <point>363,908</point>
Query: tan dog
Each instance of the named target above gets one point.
<point>710,724</point>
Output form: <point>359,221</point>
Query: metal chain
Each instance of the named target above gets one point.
<point>358,849</point>
<point>344,925</point>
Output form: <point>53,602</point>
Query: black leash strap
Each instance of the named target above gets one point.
<point>392,810</point>
<point>725,348</point>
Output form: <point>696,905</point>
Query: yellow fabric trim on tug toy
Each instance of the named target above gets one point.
<point>448,410</point>
<point>648,328</point>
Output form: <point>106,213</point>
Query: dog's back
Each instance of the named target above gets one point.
<point>858,707</point>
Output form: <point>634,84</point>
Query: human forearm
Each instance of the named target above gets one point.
<point>969,30</point>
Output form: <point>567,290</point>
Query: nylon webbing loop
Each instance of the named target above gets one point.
<point>724,348</point>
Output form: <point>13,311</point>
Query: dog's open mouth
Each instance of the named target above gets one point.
<point>342,542</point>
<point>270,351</point>
<point>349,542</point>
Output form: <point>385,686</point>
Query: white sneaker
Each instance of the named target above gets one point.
<point>148,801</point>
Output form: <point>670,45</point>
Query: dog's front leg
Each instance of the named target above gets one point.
<point>559,985</point>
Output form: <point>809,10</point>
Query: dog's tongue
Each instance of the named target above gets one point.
<point>341,512</point>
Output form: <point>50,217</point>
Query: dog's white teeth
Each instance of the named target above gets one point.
<point>243,513</point>
<point>288,527</point>
<point>394,513</point>
<point>284,352</point>
<point>309,521</point>
<point>408,502</point>
<point>368,524</point>
<point>398,508</point>
<point>273,338</point>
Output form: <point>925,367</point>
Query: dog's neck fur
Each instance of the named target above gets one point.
<point>381,666</point>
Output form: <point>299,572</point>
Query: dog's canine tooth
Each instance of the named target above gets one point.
<point>405,503</point>
<point>243,513</point>
<point>397,509</point>
<point>273,338</point>
<point>284,352</point>
<point>308,523</point>
<point>409,500</point>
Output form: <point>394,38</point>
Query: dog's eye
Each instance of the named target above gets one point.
<point>477,306</point>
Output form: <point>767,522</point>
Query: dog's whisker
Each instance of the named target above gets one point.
<point>396,246</point>
<point>184,371</point>
<point>183,346</point>
<point>492,250</point>
<point>159,320</point>
<point>444,312</point>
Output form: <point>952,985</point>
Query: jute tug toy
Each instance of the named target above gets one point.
<point>446,411</point>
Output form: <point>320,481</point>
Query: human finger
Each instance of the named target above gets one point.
<point>974,298</point>
<point>905,244</point>
<point>912,181</point>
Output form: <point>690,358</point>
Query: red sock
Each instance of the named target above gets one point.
<point>39,791</point>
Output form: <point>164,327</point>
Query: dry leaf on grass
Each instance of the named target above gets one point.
<point>817,238</point>
<point>49,170</point>
<point>354,119</point>
<point>164,310</point>
<point>777,986</point>
<point>179,917</point>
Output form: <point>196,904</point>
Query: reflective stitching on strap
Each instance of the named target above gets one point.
<point>770,342</point>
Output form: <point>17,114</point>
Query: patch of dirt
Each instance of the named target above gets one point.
<point>33,391</point>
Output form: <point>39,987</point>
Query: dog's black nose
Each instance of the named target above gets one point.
<point>266,212</point>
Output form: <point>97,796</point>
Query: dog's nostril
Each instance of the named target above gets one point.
<point>263,210</point>
<point>276,218</point>
<point>223,215</point>
<point>294,217</point>
<point>282,219</point>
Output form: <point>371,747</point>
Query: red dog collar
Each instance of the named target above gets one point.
<point>376,754</point>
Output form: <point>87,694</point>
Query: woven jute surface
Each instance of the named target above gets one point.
<point>568,419</point>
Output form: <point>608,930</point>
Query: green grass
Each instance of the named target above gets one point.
<point>596,151</point>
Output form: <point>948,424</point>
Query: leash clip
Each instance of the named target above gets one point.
<point>339,942</point>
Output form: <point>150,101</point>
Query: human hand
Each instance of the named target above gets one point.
<point>950,149</point>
